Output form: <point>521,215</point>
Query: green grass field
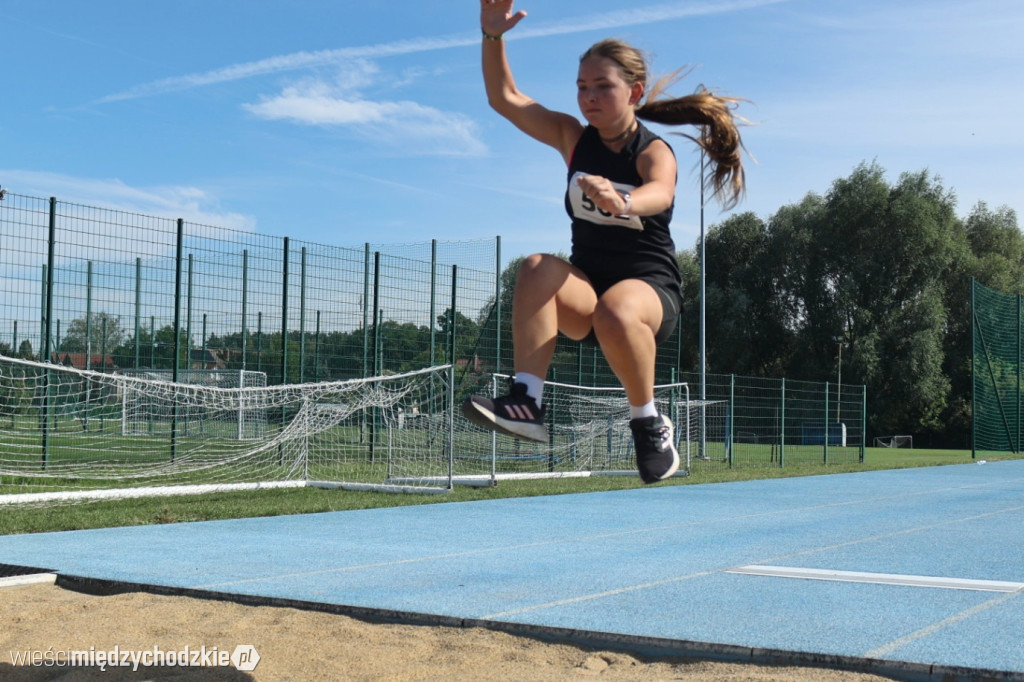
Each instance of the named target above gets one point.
<point>310,500</point>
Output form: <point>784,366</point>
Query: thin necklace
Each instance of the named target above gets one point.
<point>623,135</point>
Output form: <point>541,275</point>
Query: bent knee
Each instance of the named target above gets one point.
<point>541,262</point>
<point>616,314</point>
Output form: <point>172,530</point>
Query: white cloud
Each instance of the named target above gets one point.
<point>405,126</point>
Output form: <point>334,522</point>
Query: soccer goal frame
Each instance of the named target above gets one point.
<point>142,415</point>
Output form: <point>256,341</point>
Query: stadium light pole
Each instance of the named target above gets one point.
<point>703,288</point>
<point>702,341</point>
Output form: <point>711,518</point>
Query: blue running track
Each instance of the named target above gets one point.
<point>915,573</point>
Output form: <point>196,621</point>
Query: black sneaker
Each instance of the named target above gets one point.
<point>515,414</point>
<point>656,455</point>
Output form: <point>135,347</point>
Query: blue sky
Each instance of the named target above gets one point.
<point>344,122</point>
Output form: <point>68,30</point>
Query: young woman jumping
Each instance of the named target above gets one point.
<point>621,287</point>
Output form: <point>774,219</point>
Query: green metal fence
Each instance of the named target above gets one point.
<point>106,289</point>
<point>112,290</point>
<point>779,422</point>
<point>996,370</point>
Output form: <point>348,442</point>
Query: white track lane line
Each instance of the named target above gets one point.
<point>879,578</point>
<point>888,648</point>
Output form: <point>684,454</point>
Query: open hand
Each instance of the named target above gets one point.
<point>496,16</point>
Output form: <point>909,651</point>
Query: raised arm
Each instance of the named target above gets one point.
<point>553,128</point>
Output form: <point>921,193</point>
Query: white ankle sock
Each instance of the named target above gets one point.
<point>648,410</point>
<point>534,385</point>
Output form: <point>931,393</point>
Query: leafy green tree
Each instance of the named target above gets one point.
<point>102,332</point>
<point>744,332</point>
<point>866,272</point>
<point>466,333</point>
<point>997,245</point>
<point>689,346</point>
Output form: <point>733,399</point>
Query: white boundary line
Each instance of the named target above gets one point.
<point>880,578</point>
<point>132,493</point>
<point>32,579</point>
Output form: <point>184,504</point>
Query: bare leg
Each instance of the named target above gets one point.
<point>550,296</point>
<point>625,322</point>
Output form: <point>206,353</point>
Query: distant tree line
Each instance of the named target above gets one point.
<point>400,347</point>
<point>874,273</point>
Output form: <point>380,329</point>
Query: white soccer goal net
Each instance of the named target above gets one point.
<point>894,442</point>
<point>70,435</point>
<point>589,436</point>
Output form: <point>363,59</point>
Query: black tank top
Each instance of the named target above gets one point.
<point>612,248</point>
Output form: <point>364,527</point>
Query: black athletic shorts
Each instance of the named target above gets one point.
<point>671,308</point>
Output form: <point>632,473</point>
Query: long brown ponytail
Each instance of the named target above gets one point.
<point>719,134</point>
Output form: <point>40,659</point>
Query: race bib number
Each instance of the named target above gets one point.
<point>585,209</point>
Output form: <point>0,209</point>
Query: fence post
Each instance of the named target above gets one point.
<point>451,426</point>
<point>203,351</point>
<point>452,325</point>
<point>88,328</point>
<point>259,340</point>
<point>679,341</point>
<point>103,356</point>
<point>732,420</point>
<point>316,349</point>
<point>375,371</point>
<point>376,314</point>
<point>552,419</point>
<point>48,325</point>
<point>43,288</point>
<point>138,309</point>
<point>302,317</point>
<point>88,315</point>
<point>188,315</point>
<point>284,338</point>
<point>433,304</point>
<point>245,304</point>
<point>497,303</point>
<point>864,419</point>
<point>782,426</point>
<point>366,309</point>
<point>432,353</point>
<point>825,460</point>
<point>176,345</point>
<point>579,365</point>
<point>284,316</point>
<point>974,360</point>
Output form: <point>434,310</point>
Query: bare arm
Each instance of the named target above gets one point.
<point>553,128</point>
